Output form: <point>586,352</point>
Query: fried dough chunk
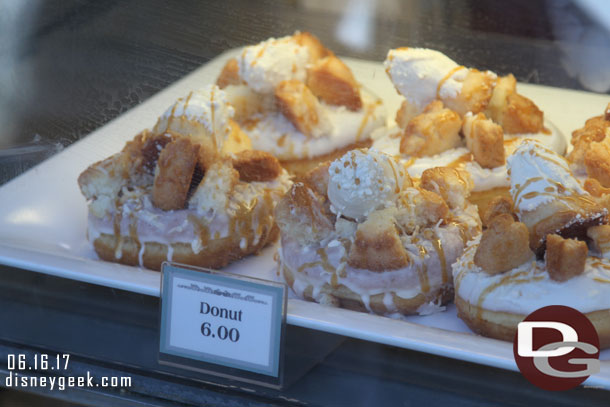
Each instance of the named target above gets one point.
<point>452,184</point>
<point>296,102</point>
<point>504,245</point>
<point>597,161</point>
<point>333,82</point>
<point>247,103</point>
<point>599,193</point>
<point>255,165</point>
<point>476,92</point>
<point>485,139</point>
<point>594,130</point>
<point>433,131</point>
<point>215,190</point>
<point>229,74</point>
<point>594,187</point>
<point>173,174</point>
<point>498,206</point>
<point>317,178</point>
<point>600,237</point>
<point>304,213</point>
<point>514,112</point>
<point>405,113</point>
<point>377,246</point>
<point>420,208</point>
<point>313,44</point>
<point>565,258</point>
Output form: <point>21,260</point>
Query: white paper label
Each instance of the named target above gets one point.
<point>222,320</point>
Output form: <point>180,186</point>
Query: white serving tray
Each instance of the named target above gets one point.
<point>43,219</point>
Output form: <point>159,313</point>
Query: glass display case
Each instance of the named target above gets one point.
<point>81,78</point>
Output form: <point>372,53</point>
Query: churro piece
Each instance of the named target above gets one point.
<point>504,245</point>
<point>255,165</point>
<point>317,178</point>
<point>303,213</point>
<point>514,112</point>
<point>433,131</point>
<point>597,161</point>
<point>299,105</point>
<point>498,206</point>
<point>377,246</point>
<point>452,184</point>
<point>173,174</point>
<point>475,94</point>
<point>600,238</point>
<point>229,74</point>
<point>313,44</point>
<point>565,258</point>
<point>333,82</point>
<point>485,140</point>
<point>420,208</point>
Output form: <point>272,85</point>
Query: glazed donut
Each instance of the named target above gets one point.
<point>295,99</point>
<point>537,254</point>
<point>460,117</point>
<point>357,233</point>
<point>493,305</point>
<point>189,191</point>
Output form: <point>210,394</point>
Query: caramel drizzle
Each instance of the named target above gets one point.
<point>460,161</point>
<point>521,188</point>
<point>201,229</point>
<point>369,112</point>
<point>508,279</point>
<point>409,162</point>
<point>438,246</point>
<point>424,280</point>
<point>445,78</point>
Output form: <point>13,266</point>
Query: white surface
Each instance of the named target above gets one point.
<point>43,221</point>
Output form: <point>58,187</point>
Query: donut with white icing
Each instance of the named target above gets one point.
<point>296,100</point>
<point>550,250</point>
<point>460,117</point>
<point>358,233</point>
<point>189,190</point>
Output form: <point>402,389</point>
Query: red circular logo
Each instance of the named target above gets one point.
<point>556,348</point>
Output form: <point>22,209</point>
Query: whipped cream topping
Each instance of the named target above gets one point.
<point>529,287</point>
<point>538,176</point>
<point>361,182</point>
<point>417,72</point>
<point>207,106</point>
<point>273,133</point>
<point>263,66</point>
<point>388,141</point>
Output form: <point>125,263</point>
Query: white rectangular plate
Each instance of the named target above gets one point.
<point>43,219</point>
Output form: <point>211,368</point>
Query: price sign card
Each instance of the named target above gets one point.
<point>222,324</point>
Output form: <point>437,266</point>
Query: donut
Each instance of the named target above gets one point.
<point>460,117</point>
<point>295,99</point>
<point>549,248</point>
<point>190,190</point>
<point>357,233</point>
<point>591,149</point>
